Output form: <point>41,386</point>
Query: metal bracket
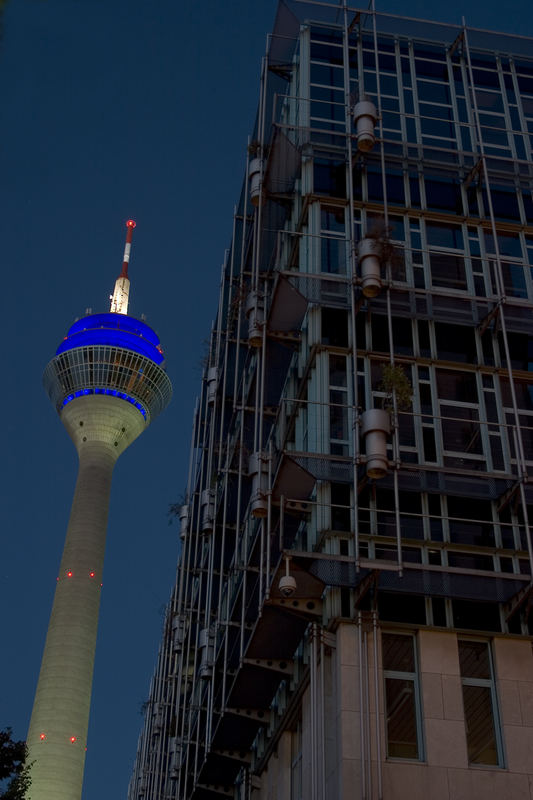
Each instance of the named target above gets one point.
<point>474,173</point>
<point>355,21</point>
<point>263,717</point>
<point>485,322</point>
<point>457,44</point>
<point>508,496</point>
<point>273,664</point>
<point>243,756</point>
<point>369,581</point>
<point>306,606</point>
<point>225,791</point>
<point>293,505</point>
<point>524,597</point>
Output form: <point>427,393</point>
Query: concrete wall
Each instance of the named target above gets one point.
<point>445,773</point>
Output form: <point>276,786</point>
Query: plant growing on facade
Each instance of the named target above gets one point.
<point>395,383</point>
<point>376,422</point>
<point>388,253</point>
<point>254,149</point>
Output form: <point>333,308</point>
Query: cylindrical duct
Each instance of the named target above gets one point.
<point>369,255</point>
<point>255,314</point>
<point>254,173</point>
<point>258,469</point>
<point>375,427</point>
<point>365,116</point>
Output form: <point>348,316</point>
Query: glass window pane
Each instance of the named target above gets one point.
<point>479,719</point>
<point>440,235</point>
<point>457,386</point>
<point>398,652</point>
<point>448,271</point>
<point>401,718</point>
<point>460,429</point>
<point>332,219</point>
<point>474,659</point>
<point>337,370</point>
<point>333,255</point>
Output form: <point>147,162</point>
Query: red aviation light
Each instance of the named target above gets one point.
<point>91,574</point>
<point>131,223</point>
<point>73,739</point>
<point>42,736</point>
<point>69,573</point>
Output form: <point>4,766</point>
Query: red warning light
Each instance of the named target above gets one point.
<point>69,574</point>
<point>73,739</point>
<point>131,223</point>
<point>42,737</point>
<point>91,574</point>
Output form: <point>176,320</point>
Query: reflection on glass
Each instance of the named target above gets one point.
<point>401,719</point>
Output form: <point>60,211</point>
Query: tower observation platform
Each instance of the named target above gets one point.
<point>107,382</point>
<point>113,355</point>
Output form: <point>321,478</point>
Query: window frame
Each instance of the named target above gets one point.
<point>415,679</point>
<point>486,683</point>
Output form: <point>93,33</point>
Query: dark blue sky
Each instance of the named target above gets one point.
<point>114,110</point>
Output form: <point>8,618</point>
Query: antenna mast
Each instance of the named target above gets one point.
<point>119,298</point>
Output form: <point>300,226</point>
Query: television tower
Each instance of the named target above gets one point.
<point>107,382</point>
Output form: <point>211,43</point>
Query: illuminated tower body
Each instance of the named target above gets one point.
<point>107,382</point>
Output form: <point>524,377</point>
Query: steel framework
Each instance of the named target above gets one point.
<point>278,485</point>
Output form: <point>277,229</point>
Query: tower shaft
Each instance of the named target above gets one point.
<point>101,428</point>
<point>107,382</point>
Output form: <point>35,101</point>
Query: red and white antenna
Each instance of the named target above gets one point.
<point>119,298</point>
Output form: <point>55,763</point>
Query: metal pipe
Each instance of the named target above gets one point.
<point>377,707</point>
<point>353,273</point>
<point>361,706</point>
<point>313,711</point>
<point>269,521</point>
<point>395,439</point>
<point>322,716</point>
<point>368,736</point>
<point>263,369</point>
<point>261,566</point>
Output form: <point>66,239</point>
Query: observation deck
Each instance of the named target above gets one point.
<point>110,354</point>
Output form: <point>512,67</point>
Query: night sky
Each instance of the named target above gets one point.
<point>115,109</point>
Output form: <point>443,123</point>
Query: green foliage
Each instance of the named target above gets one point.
<point>254,148</point>
<point>13,768</point>
<point>175,508</point>
<point>394,382</point>
<point>388,253</point>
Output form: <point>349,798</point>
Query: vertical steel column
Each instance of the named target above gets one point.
<point>395,423</point>
<point>353,275</point>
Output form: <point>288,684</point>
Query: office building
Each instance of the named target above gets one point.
<point>351,617</point>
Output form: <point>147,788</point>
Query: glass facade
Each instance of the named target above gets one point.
<point>374,319</point>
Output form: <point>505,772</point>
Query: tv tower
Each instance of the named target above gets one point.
<point>107,382</point>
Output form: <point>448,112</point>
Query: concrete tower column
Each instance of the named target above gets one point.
<point>107,382</point>
<point>101,428</point>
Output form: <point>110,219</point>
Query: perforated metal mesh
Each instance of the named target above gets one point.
<point>422,582</point>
